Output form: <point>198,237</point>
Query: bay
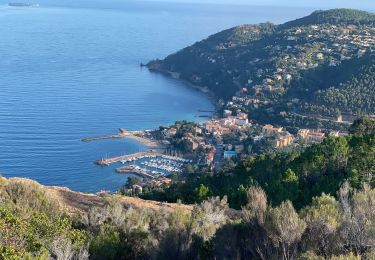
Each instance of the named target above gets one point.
<point>70,69</point>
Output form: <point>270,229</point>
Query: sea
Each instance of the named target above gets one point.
<point>71,69</point>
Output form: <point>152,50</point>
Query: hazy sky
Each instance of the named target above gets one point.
<point>361,4</point>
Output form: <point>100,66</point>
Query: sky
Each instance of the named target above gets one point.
<point>359,4</point>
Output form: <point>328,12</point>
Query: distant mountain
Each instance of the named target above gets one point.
<point>274,61</point>
<point>335,16</point>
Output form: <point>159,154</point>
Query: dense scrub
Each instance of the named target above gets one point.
<point>329,228</point>
<point>33,225</point>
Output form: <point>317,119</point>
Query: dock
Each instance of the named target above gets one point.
<point>203,116</point>
<point>122,134</point>
<point>137,171</point>
<point>127,157</point>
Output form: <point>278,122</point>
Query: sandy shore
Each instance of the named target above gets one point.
<point>149,143</point>
<point>154,145</point>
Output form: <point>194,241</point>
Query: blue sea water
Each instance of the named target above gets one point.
<point>70,69</point>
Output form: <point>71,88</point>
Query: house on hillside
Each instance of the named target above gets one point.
<point>271,130</point>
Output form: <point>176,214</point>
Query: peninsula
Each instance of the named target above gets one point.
<point>293,74</point>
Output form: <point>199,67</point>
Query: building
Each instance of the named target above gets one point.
<point>320,56</point>
<point>241,121</point>
<point>303,133</point>
<point>165,180</point>
<point>270,130</point>
<point>311,135</point>
<point>197,130</point>
<point>242,115</point>
<point>170,132</point>
<point>227,113</point>
<point>230,154</point>
<point>284,140</point>
<point>227,122</point>
<point>316,136</point>
<point>210,158</point>
<point>192,145</point>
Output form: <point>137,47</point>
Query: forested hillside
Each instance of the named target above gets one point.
<point>329,90</point>
<point>322,63</point>
<point>336,16</point>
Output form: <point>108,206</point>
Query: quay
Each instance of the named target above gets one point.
<point>135,170</point>
<point>203,116</point>
<point>127,157</point>
<point>122,134</point>
<point>206,111</point>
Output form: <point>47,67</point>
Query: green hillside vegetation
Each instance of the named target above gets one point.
<point>324,61</point>
<point>336,16</point>
<point>33,227</point>
<point>204,62</point>
<point>344,89</point>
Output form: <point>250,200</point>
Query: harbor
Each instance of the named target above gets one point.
<point>149,165</point>
<point>125,158</point>
<point>152,165</point>
<point>167,163</point>
<point>136,171</point>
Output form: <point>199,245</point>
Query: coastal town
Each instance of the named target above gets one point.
<point>301,49</point>
<point>233,131</point>
<point>186,147</point>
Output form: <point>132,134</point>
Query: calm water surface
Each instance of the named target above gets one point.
<point>70,69</point>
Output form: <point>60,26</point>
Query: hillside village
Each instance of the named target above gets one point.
<point>268,61</point>
<point>263,113</point>
<point>219,141</point>
<point>308,47</point>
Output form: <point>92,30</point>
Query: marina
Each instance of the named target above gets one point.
<point>135,170</point>
<point>147,164</point>
<point>167,163</point>
<point>126,158</point>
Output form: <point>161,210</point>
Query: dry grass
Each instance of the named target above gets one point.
<point>78,203</point>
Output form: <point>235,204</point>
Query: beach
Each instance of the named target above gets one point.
<point>152,144</point>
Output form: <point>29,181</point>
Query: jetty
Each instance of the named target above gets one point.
<point>135,170</point>
<point>122,134</point>
<point>139,136</point>
<point>127,157</point>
